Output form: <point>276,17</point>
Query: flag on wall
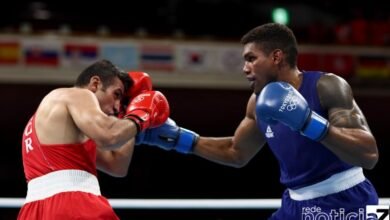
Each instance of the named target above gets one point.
<point>195,58</point>
<point>79,54</point>
<point>9,52</point>
<point>373,66</point>
<point>157,57</point>
<point>124,55</point>
<point>229,60</point>
<point>339,64</point>
<point>41,53</point>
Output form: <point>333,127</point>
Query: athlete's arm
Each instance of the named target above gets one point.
<point>349,136</point>
<point>107,131</point>
<point>115,162</point>
<point>234,151</point>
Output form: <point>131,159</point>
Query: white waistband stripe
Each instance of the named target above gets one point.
<point>334,184</point>
<point>61,181</point>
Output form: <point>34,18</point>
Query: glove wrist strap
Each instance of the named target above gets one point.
<point>140,118</point>
<point>186,142</point>
<point>316,127</point>
<point>137,121</point>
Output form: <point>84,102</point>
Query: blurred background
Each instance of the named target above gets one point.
<point>191,49</point>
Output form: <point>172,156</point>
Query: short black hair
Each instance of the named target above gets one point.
<point>106,71</point>
<point>272,36</point>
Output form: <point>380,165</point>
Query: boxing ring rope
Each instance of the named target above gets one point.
<point>182,203</point>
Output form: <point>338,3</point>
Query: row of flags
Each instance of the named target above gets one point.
<point>172,57</point>
<point>128,56</point>
<point>347,65</point>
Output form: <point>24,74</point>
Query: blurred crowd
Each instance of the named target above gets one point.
<point>314,22</point>
<point>356,29</point>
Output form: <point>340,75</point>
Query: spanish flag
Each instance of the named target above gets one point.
<point>9,53</point>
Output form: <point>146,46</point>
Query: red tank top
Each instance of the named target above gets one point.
<point>40,159</point>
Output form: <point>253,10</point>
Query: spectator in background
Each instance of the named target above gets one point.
<point>359,28</point>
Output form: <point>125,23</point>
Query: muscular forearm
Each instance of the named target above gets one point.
<point>118,134</point>
<point>116,162</point>
<point>354,146</point>
<point>218,150</point>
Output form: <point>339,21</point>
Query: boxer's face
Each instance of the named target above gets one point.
<point>258,67</point>
<point>110,97</point>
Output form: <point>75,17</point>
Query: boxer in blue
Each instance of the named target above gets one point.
<point>311,123</point>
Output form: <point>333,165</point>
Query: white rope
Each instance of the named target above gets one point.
<point>181,203</point>
<point>196,203</point>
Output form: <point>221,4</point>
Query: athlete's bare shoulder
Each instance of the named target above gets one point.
<point>69,94</point>
<point>55,112</point>
<point>334,92</point>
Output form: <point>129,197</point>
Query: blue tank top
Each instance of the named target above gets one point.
<point>302,161</point>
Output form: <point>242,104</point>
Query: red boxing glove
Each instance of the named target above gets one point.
<point>147,110</point>
<point>142,83</point>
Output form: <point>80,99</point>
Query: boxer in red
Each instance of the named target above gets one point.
<point>75,132</point>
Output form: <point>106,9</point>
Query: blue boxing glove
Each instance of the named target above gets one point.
<point>279,101</point>
<point>169,137</point>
